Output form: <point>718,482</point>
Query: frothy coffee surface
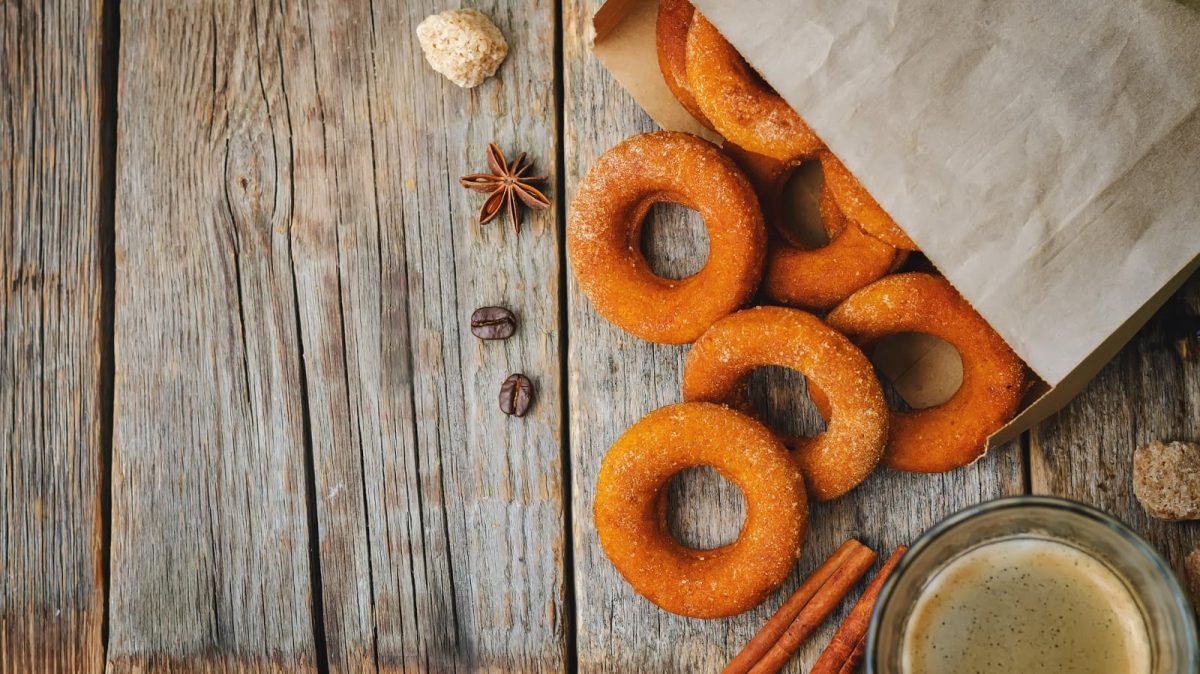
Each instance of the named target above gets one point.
<point>1026,606</point>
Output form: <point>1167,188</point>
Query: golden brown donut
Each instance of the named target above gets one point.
<point>849,449</point>
<point>604,234</point>
<point>860,206</point>
<point>954,433</point>
<point>740,106</point>
<point>671,31</point>
<point>631,524</point>
<point>806,277</point>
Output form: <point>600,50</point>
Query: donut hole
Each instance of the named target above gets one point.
<point>780,396</point>
<point>919,370</point>
<point>674,240</point>
<point>704,510</point>
<point>800,210</point>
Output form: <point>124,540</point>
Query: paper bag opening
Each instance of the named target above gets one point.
<point>843,65</point>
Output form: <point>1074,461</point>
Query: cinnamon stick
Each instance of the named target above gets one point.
<point>769,633</point>
<point>822,603</point>
<point>856,658</point>
<point>850,639</point>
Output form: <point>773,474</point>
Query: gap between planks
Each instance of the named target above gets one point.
<point>109,72</point>
<point>564,327</point>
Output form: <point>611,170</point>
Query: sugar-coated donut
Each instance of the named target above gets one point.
<point>631,525</point>
<point>954,433</point>
<point>604,235</point>
<point>860,206</point>
<point>670,33</point>
<point>852,444</point>
<point>740,106</point>
<point>812,278</point>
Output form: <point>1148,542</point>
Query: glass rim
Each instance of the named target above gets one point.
<point>1167,573</point>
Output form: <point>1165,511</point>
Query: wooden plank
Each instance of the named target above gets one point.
<point>54,209</point>
<point>209,569</point>
<point>441,520</point>
<point>1150,391</point>
<point>329,173</point>
<point>615,379</point>
<point>491,484</point>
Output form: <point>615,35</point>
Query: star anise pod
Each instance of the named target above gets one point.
<point>506,184</point>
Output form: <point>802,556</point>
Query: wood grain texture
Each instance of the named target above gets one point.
<point>615,379</point>
<point>441,520</point>
<point>341,264</point>
<point>1150,391</point>
<point>52,211</point>
<point>501,498</point>
<point>209,536</point>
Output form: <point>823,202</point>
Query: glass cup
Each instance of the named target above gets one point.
<point>1170,624</point>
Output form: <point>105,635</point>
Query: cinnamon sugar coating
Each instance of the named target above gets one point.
<point>836,461</point>
<point>955,433</point>
<point>604,236</point>
<point>670,38</point>
<point>741,107</point>
<point>631,525</point>
<point>812,278</point>
<point>860,206</point>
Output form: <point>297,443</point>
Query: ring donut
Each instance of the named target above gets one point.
<point>631,525</point>
<point>741,107</point>
<point>604,233</point>
<point>670,33</point>
<point>805,277</point>
<point>955,433</point>
<point>860,206</point>
<point>834,462</point>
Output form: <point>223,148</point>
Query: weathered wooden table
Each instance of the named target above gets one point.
<point>245,427</point>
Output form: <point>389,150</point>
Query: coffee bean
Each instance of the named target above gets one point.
<point>493,323</point>
<point>516,395</point>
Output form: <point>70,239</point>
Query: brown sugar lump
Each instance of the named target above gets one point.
<point>462,44</point>
<point>1166,479</point>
